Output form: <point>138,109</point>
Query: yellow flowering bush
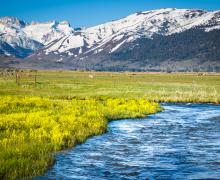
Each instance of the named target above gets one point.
<point>33,128</point>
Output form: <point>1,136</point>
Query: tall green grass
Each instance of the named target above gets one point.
<point>154,87</point>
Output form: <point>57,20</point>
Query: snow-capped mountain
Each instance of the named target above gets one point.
<point>113,43</point>
<point>112,35</point>
<point>19,39</point>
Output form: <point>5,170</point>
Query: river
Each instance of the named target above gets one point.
<point>182,142</point>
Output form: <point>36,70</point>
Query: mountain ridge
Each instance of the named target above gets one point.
<point>64,44</point>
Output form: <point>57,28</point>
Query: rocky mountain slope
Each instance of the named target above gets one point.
<point>164,39</point>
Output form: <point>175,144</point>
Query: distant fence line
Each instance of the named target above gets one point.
<point>26,77</point>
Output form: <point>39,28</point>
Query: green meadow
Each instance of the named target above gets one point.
<point>159,87</point>
<point>64,108</point>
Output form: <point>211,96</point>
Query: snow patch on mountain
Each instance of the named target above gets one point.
<point>71,42</point>
<point>117,46</point>
<point>212,28</point>
<point>47,32</point>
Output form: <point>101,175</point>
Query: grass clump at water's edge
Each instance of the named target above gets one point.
<point>32,129</point>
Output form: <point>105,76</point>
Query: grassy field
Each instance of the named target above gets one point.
<point>65,108</point>
<point>154,87</point>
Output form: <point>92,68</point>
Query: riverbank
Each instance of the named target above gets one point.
<point>165,145</point>
<point>32,129</point>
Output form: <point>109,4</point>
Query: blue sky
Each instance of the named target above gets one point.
<point>91,12</point>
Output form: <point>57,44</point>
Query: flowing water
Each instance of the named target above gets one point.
<point>182,142</point>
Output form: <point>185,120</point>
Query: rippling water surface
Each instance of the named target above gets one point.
<point>182,142</point>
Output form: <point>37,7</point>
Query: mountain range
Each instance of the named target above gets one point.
<point>158,40</point>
